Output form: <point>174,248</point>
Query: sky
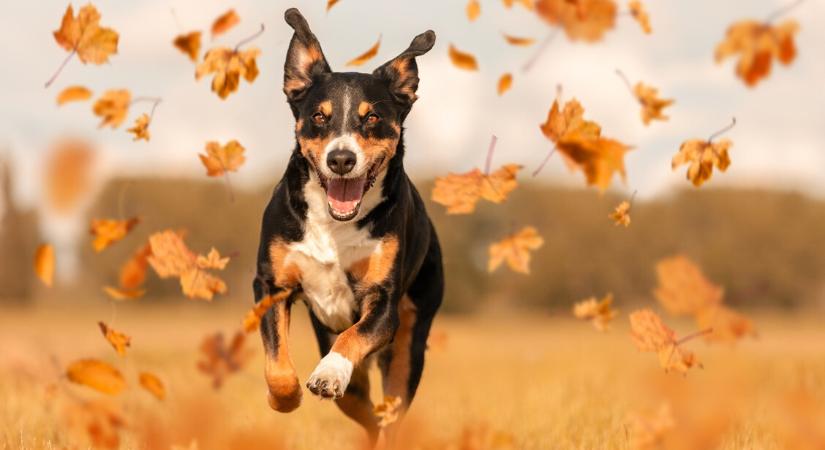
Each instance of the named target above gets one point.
<point>778,141</point>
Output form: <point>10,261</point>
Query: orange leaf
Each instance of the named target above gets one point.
<point>367,55</point>
<point>229,66</point>
<point>727,324</point>
<point>221,159</point>
<point>525,3</point>
<point>388,410</point>
<point>587,20</point>
<point>253,318</point>
<point>652,105</point>
<point>112,107</point>
<point>515,250</point>
<point>568,121</point>
<point>224,22</point>
<point>172,258</point>
<point>118,340</point>
<point>599,312</point>
<point>757,44</point>
<point>473,10</point>
<point>123,294</point>
<point>133,272</point>
<point>219,360</point>
<point>196,283</point>
<point>84,35</point>
<point>650,334</point>
<point>152,383</point>
<point>109,231</point>
<point>505,83</point>
<point>141,128</point>
<point>683,289</point>
<point>621,216</point>
<point>73,94</point>
<point>97,375</point>
<point>44,264</point>
<point>702,156</point>
<point>331,3</point>
<point>460,192</point>
<point>462,60</point>
<point>637,10</point>
<point>69,175</point>
<point>212,260</point>
<point>518,41</point>
<point>189,44</point>
<point>647,430</point>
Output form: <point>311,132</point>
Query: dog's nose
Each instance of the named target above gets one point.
<point>341,161</point>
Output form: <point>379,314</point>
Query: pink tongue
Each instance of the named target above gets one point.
<point>343,194</point>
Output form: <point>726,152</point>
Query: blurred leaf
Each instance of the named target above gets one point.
<point>44,264</point>
<point>118,340</point>
<point>224,22</point>
<point>97,375</point>
<point>462,60</point>
<point>367,55</point>
<point>515,250</point>
<point>73,94</point>
<point>189,44</point>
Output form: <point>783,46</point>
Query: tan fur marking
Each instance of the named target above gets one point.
<point>399,371</point>
<point>375,268</point>
<point>364,108</point>
<point>299,124</point>
<point>375,148</point>
<point>286,275</point>
<point>313,148</point>
<point>279,371</point>
<point>325,107</point>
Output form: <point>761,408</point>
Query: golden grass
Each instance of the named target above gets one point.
<point>549,381</point>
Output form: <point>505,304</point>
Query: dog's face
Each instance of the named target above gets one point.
<point>348,124</point>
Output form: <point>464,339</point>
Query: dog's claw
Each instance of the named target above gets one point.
<point>331,377</point>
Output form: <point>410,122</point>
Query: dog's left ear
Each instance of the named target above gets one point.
<point>304,59</point>
<point>402,72</point>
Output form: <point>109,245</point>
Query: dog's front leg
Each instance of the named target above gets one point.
<point>375,328</point>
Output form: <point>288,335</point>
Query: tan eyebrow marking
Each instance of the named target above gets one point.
<point>364,108</point>
<point>326,107</point>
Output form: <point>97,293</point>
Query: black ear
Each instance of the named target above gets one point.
<point>401,72</point>
<point>304,59</point>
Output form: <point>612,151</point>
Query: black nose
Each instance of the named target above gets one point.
<point>341,161</point>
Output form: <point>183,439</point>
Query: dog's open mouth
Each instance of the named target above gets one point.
<point>344,195</point>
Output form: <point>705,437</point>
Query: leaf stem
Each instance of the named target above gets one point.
<point>544,162</point>
<point>782,11</point>
<point>627,83</point>
<point>490,150</point>
<point>60,69</point>
<point>693,336</point>
<point>723,130</point>
<point>250,38</point>
<point>539,50</point>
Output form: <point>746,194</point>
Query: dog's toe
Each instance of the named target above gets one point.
<point>331,377</point>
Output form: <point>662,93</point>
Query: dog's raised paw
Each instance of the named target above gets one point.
<point>331,377</point>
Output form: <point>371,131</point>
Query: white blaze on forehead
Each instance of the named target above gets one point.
<point>345,142</point>
<point>347,105</point>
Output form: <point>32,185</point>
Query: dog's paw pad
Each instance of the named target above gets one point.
<point>331,377</point>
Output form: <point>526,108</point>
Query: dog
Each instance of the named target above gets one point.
<point>347,233</point>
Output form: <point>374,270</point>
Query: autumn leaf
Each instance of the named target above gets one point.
<point>253,318</point>
<point>224,22</point>
<point>83,35</point>
<point>112,107</point>
<point>99,421</point>
<point>621,215</point>
<point>528,4</point>
<point>189,44</point>
<point>647,429</point>
<point>97,375</point>
<point>599,312</point>
<point>757,44</point>
<point>569,121</point>
<point>518,41</point>
<point>505,83</point>
<point>219,360</point>
<point>44,264</point>
<point>330,4</point>
<point>727,324</point>
<point>69,175</point>
<point>73,94</point>
<point>473,10</point>
<point>460,192</point>
<point>196,283</point>
<point>172,258</point>
<point>152,384</point>
<point>108,231</point>
<point>587,20</point>
<point>133,272</point>
<point>118,340</point>
<point>221,159</point>
<point>228,67</point>
<point>703,156</point>
<point>515,250</point>
<point>141,128</point>
<point>638,11</point>
<point>652,105</point>
<point>367,55</point>
<point>462,60</point>
<point>683,289</point>
<point>650,334</point>
<point>118,293</point>
<point>388,410</point>
<point>212,260</point>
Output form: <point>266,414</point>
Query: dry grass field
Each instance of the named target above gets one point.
<point>491,381</point>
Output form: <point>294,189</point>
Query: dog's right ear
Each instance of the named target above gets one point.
<point>304,59</point>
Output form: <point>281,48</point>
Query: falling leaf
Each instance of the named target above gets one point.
<point>598,312</point>
<point>367,55</point>
<point>228,66</point>
<point>727,324</point>
<point>73,94</point>
<point>703,156</point>
<point>253,318</point>
<point>133,272</point>
<point>118,340</point>
<point>100,421</point>
<point>525,3</point>
<point>518,41</point>
<point>621,215</point>
<point>462,60</point>
<point>172,258</point>
<point>460,192</point>
<point>152,383</point>
<point>388,410</point>
<point>647,430</point>
<point>756,45</point>
<point>97,375</point>
<point>189,44</point>
<point>141,128</point>
<point>196,283</point>
<point>212,260</point>
<point>683,289</point>
<point>221,159</point>
<point>117,293</point>
<point>505,83</point>
<point>515,250</point>
<point>83,35</point>
<point>69,176</point>
<point>331,3</point>
<point>112,107</point>
<point>587,20</point>
<point>650,334</point>
<point>224,22</point>
<point>219,360</point>
<point>109,231</point>
<point>652,105</point>
<point>638,11</point>
<point>44,264</point>
<point>473,10</point>
<point>562,123</point>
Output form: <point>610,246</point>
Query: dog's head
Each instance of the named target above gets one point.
<point>348,124</point>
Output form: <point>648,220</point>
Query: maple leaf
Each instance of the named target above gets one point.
<point>473,10</point>
<point>702,156</point>
<point>224,22</point>
<point>118,340</point>
<point>518,41</point>
<point>650,334</point>
<point>462,60</point>
<point>598,312</point>
<point>460,192</point>
<point>219,360</point>
<point>252,320</point>
<point>367,55</point>
<point>44,264</point>
<point>757,44</point>
<point>133,272</point>
<point>189,44</point>
<point>652,105</point>
<point>621,215</point>
<point>647,429</point>
<point>196,283</point>
<point>229,66</point>
<point>598,158</point>
<point>73,94</point>
<point>515,250</point>
<point>727,324</point>
<point>152,384</point>
<point>141,128</point>
<point>84,36</point>
<point>505,83</point>
<point>109,231</point>
<point>221,159</point>
<point>112,107</point>
<point>388,410</point>
<point>638,11</point>
<point>568,121</point>
<point>587,20</point>
<point>683,289</point>
<point>97,375</point>
<point>172,258</point>
<point>212,260</point>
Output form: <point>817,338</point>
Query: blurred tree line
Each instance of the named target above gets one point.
<point>767,248</point>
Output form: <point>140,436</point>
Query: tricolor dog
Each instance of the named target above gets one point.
<point>347,233</point>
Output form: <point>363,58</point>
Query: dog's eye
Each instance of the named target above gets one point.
<point>319,118</point>
<point>372,119</point>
